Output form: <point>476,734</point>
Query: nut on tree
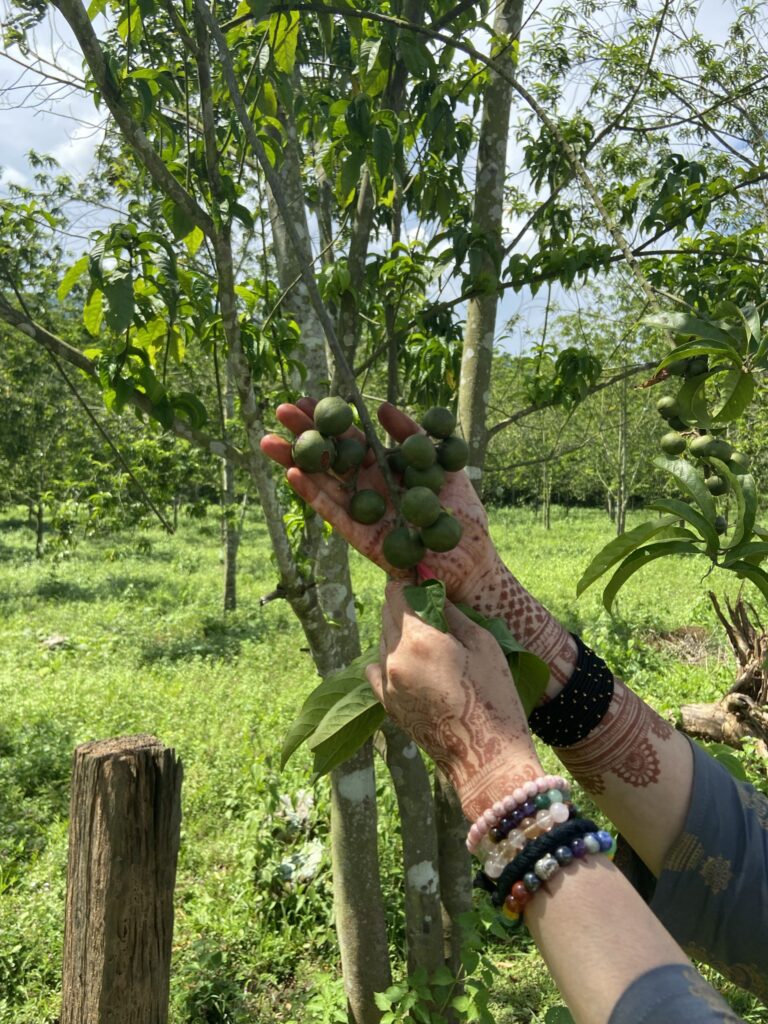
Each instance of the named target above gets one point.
<point>333,416</point>
<point>439,422</point>
<point>403,548</point>
<point>433,478</point>
<point>420,506</point>
<point>312,452</point>
<point>367,506</point>
<point>349,454</point>
<point>453,453</point>
<point>673,443</point>
<point>418,451</point>
<point>444,534</point>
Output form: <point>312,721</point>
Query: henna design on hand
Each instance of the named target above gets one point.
<point>625,744</point>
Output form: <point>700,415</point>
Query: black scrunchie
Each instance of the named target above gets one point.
<point>580,705</point>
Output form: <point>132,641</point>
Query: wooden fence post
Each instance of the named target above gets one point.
<point>125,816</point>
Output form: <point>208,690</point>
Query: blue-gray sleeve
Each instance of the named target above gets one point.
<point>670,995</point>
<point>712,894</point>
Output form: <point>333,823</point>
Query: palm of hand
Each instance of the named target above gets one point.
<point>330,497</point>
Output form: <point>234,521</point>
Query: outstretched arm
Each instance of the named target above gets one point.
<point>636,767</point>
<point>453,694</point>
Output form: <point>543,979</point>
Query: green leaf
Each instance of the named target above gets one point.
<point>283,37</point>
<point>317,705</point>
<point>71,277</point>
<point>531,676</point>
<point>723,349</point>
<point>443,976</point>
<point>754,573</point>
<point>641,557</point>
<point>684,323</point>
<point>750,551</point>
<point>745,493</point>
<point>738,391</point>
<point>692,400</point>
<point>427,600</point>
<point>178,220</point>
<point>690,481</point>
<point>191,408</point>
<point>345,728</point>
<point>382,149</point>
<point>558,1015</point>
<point>681,510</point>
<point>93,312</point>
<point>118,291</point>
<point>619,547</point>
<point>496,627</point>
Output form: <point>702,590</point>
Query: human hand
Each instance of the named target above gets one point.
<point>453,693</point>
<point>460,569</point>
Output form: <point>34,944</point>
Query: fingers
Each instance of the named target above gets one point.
<point>277,449</point>
<point>375,677</point>
<point>294,418</point>
<point>467,632</point>
<point>396,423</point>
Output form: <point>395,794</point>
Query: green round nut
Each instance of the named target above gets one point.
<point>453,453</point>
<point>418,451</point>
<point>677,367</point>
<point>403,548</point>
<point>710,447</point>
<point>444,534</point>
<point>367,506</point>
<point>333,416</point>
<point>439,422</point>
<point>396,460</point>
<point>721,524</point>
<point>349,454</point>
<point>739,463</point>
<point>667,407</point>
<point>672,443</point>
<point>433,478</point>
<point>312,452</point>
<point>420,506</point>
<point>696,366</point>
<point>717,485</point>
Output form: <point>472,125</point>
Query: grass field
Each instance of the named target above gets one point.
<point>141,646</point>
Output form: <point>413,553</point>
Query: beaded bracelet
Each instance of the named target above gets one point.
<point>523,890</point>
<point>506,813</point>
<point>518,839</point>
<point>525,861</point>
<point>580,705</point>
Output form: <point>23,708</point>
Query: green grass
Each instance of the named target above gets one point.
<point>146,648</point>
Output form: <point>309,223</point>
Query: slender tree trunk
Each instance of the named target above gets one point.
<point>39,529</point>
<point>358,900</point>
<point>487,226</point>
<point>230,525</point>
<point>621,489</point>
<point>421,868</point>
<point>455,867</point>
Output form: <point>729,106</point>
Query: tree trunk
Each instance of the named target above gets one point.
<point>729,721</point>
<point>39,530</point>
<point>423,916</point>
<point>230,526</point>
<point>622,497</point>
<point>455,867</point>
<point>487,225</point>
<point>125,816</point>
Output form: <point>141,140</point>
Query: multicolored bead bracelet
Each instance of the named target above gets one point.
<point>523,890</point>
<point>525,802</point>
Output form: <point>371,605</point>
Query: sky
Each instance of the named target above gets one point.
<point>61,121</point>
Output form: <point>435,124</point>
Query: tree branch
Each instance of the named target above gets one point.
<point>74,357</point>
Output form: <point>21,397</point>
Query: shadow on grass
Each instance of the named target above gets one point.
<point>217,639</point>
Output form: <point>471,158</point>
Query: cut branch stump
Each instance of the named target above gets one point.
<point>125,817</point>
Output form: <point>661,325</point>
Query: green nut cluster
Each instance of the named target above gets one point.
<point>419,465</point>
<point>701,446</point>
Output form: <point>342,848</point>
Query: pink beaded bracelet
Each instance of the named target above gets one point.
<point>508,805</point>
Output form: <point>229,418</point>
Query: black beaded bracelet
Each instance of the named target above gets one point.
<point>524,862</point>
<point>580,705</point>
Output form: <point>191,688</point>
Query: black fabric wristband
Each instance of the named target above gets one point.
<point>580,705</point>
<point>525,861</point>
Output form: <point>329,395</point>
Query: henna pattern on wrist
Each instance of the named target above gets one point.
<point>624,744</point>
<point>501,595</point>
<point>475,745</point>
